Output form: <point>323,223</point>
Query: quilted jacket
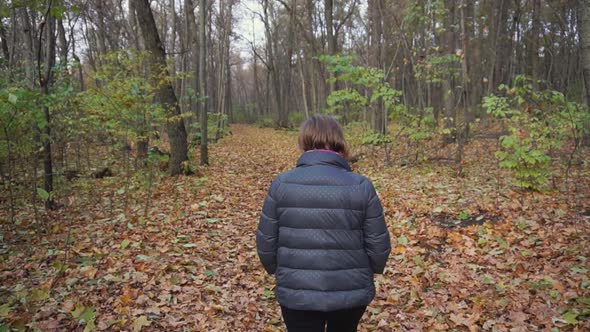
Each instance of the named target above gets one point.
<point>323,235</point>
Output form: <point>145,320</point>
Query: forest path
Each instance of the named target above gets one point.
<point>237,294</point>
<point>191,263</point>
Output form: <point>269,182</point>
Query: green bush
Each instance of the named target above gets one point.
<point>213,121</point>
<point>539,122</point>
<point>295,119</point>
<point>266,122</point>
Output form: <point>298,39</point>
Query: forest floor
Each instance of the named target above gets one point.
<point>469,253</point>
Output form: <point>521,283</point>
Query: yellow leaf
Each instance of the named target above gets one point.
<point>140,322</point>
<point>126,299</point>
<point>400,250</point>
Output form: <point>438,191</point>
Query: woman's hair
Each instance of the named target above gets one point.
<point>322,132</point>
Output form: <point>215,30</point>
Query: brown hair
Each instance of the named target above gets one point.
<point>322,132</point>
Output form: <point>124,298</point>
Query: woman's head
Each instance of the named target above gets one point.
<point>322,132</point>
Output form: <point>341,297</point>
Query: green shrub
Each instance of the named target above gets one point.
<point>539,122</point>
<point>295,119</point>
<point>266,122</point>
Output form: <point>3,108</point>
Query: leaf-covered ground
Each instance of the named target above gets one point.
<point>191,264</point>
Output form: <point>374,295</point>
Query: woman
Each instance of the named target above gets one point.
<point>322,234</point>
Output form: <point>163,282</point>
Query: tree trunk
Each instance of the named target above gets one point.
<point>4,44</point>
<point>272,63</point>
<point>584,28</point>
<point>31,48</point>
<point>193,38</point>
<point>203,80</point>
<point>447,84</point>
<point>63,44</point>
<point>501,46</point>
<point>584,21</point>
<point>165,92</point>
<point>286,91</point>
<point>102,28</point>
<point>376,58</point>
<point>332,39</point>
<point>45,83</point>
<point>533,42</point>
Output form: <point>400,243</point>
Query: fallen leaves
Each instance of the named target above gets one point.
<point>191,262</point>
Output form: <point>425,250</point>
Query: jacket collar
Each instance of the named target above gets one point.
<point>318,157</point>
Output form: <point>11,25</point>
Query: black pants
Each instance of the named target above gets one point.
<point>315,321</point>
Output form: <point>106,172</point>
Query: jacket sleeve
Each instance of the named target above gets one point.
<point>268,231</point>
<point>375,233</point>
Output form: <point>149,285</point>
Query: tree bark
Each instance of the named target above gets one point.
<point>203,80</point>
<point>376,59</point>
<point>332,38</point>
<point>584,28</point>
<point>45,84</point>
<point>193,38</point>
<point>272,63</point>
<point>584,21</point>
<point>102,30</point>
<point>165,91</point>
<point>447,84</point>
<point>63,44</point>
<point>4,43</point>
<point>533,42</point>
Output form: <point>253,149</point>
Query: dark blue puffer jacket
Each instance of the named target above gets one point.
<point>323,235</point>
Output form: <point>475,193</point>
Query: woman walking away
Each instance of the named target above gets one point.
<point>323,235</point>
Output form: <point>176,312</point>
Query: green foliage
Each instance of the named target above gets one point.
<point>539,122</point>
<point>375,139</point>
<point>295,119</point>
<point>22,118</point>
<point>464,215</point>
<point>354,132</point>
<point>531,166</point>
<point>414,124</point>
<point>44,195</point>
<point>437,68</point>
<point>213,120</point>
<point>266,122</point>
<point>346,100</point>
<point>121,102</point>
<point>418,15</point>
<point>19,110</point>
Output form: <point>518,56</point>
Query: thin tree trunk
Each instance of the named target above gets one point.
<point>332,39</point>
<point>376,58</point>
<point>533,42</point>
<point>272,62</point>
<point>4,43</point>
<point>45,83</point>
<point>447,84</point>
<point>193,38</point>
<point>584,21</point>
<point>203,80</point>
<point>303,88</point>
<point>63,44</point>
<point>31,48</point>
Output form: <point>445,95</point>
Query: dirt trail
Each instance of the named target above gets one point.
<point>243,166</point>
<point>231,291</point>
